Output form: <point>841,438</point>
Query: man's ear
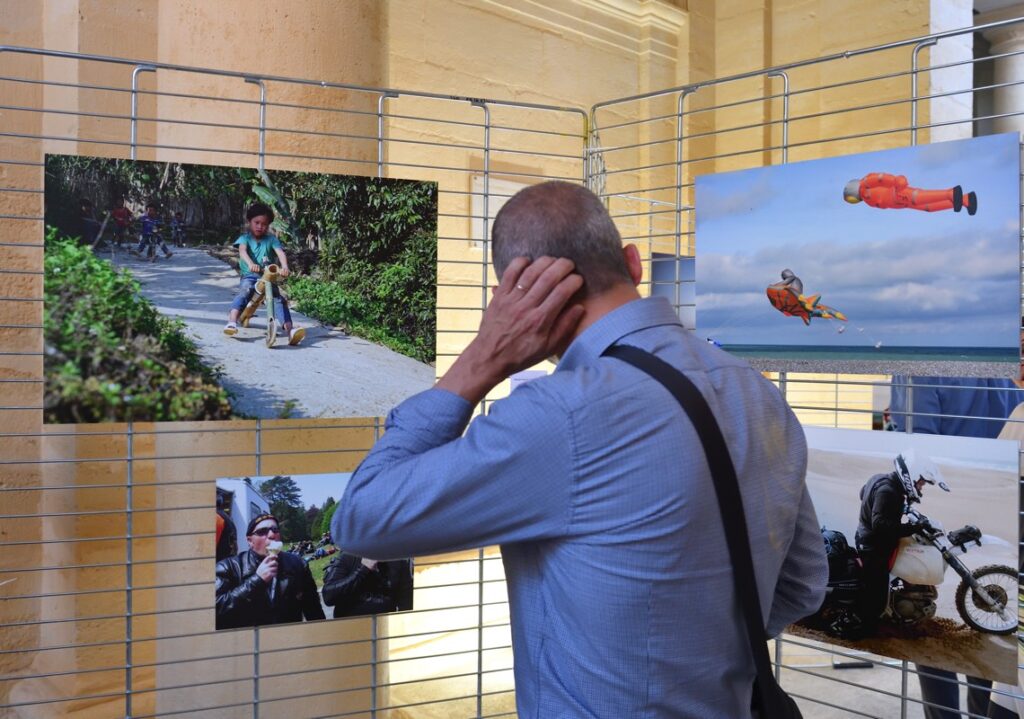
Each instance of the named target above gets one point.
<point>633,263</point>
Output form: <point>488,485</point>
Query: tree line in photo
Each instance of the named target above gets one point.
<point>299,523</point>
<point>363,253</point>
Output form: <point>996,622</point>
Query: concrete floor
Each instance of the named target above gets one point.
<point>827,690</point>
<point>442,683</point>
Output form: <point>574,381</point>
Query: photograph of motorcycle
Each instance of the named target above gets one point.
<point>901,558</point>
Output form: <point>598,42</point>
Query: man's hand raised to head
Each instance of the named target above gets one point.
<point>529,318</point>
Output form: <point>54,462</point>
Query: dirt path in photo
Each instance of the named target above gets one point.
<point>330,374</point>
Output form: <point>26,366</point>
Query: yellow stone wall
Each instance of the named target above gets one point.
<point>569,53</point>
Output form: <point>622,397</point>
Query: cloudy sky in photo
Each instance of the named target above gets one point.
<point>902,277</point>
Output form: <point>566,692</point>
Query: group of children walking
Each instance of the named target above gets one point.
<point>151,225</point>
<point>151,235</point>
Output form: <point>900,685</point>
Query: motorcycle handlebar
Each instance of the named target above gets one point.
<point>924,524</point>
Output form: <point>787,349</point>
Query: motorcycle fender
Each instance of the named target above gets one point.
<point>918,563</point>
<point>991,540</point>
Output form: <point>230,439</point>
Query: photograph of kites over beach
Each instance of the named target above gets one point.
<point>883,261</point>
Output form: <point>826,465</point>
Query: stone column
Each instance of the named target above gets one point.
<point>1007,39</point>
<point>951,106</point>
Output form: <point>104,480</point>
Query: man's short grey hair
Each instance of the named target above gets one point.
<point>560,219</point>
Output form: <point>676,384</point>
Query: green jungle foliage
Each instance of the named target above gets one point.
<point>376,273</point>
<point>110,356</point>
<point>212,199</point>
<point>374,241</point>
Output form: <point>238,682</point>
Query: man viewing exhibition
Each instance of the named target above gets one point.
<point>594,482</point>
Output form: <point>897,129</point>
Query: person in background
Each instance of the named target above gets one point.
<point>89,227</point>
<point>178,230</point>
<point>966,407</point>
<point>227,536</point>
<point>122,222</point>
<point>356,586</point>
<point>961,406</point>
<point>149,237</point>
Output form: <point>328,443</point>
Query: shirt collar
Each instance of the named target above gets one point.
<point>624,320</point>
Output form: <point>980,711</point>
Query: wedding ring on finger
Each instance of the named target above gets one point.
<point>520,287</point>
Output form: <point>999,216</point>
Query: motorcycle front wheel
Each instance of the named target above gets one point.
<point>1000,582</point>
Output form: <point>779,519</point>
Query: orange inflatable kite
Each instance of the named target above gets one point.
<point>787,297</point>
<point>893,192</point>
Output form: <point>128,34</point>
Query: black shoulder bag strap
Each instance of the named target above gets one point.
<point>769,700</point>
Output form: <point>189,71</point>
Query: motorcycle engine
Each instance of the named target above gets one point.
<point>912,603</point>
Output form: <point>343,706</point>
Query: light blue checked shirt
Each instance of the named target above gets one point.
<point>595,485</point>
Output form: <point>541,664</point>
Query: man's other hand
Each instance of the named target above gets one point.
<point>528,319</point>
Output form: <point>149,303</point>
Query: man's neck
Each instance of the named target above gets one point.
<point>596,307</point>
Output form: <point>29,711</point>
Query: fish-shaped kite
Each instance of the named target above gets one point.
<point>788,298</point>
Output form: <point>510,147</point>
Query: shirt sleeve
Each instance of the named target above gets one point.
<point>241,240</point>
<point>803,578</point>
<point>424,489</point>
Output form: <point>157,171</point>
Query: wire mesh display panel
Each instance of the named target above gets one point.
<point>107,603</point>
<point>648,150</point>
<point>107,583</point>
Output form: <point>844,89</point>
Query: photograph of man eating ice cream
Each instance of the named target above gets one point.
<point>264,585</point>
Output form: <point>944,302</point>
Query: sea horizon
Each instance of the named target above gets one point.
<point>871,352</point>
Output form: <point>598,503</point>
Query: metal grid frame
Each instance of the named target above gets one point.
<point>560,142</point>
<point>498,133</point>
<point>669,120</point>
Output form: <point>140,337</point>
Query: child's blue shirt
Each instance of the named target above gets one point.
<point>260,251</point>
<point>151,226</point>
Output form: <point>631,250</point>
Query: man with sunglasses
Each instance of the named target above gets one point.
<point>263,586</point>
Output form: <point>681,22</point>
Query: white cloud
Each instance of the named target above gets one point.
<point>731,301</point>
<point>922,297</point>
<point>714,205</point>
<point>826,267</point>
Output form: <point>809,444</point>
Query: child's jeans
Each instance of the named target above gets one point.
<point>246,287</point>
<point>150,243</point>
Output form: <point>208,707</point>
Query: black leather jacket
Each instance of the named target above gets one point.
<point>883,501</point>
<point>243,599</point>
<point>354,590</point>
